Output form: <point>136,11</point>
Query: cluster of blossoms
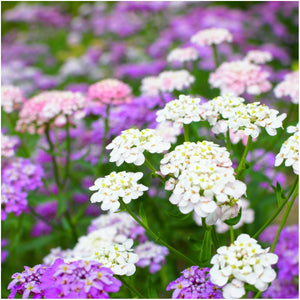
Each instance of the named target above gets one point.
<point>9,145</point>
<point>229,112</point>
<point>240,77</point>
<point>130,145</point>
<point>244,261</point>
<point>183,55</point>
<point>208,37</point>
<point>289,150</point>
<point>150,86</point>
<point>78,279</point>
<point>12,98</point>
<point>117,185</point>
<point>169,131</point>
<point>110,91</point>
<point>47,107</point>
<point>289,87</point>
<point>181,111</point>
<point>195,283</point>
<point>202,180</point>
<point>151,254</point>
<point>258,57</point>
<point>287,249</point>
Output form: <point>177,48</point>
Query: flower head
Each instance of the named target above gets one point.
<point>8,145</point>
<point>117,185</point>
<point>53,106</point>
<point>289,87</point>
<point>150,86</point>
<point>208,37</point>
<point>195,283</point>
<point>244,261</point>
<point>183,55</point>
<point>258,56</point>
<point>110,91</point>
<point>12,98</point>
<point>240,77</point>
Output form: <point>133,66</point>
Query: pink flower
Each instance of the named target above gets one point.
<point>175,80</point>
<point>240,77</point>
<point>12,98</point>
<point>289,87</point>
<point>258,56</point>
<point>110,91</point>
<point>210,36</point>
<point>53,106</point>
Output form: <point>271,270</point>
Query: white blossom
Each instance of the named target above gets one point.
<point>259,56</point>
<point>183,54</point>
<point>210,36</point>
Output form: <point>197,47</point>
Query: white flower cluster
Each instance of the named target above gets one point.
<point>150,86</point>
<point>181,111</point>
<point>12,98</point>
<point>289,150</point>
<point>117,185</point>
<point>169,131</point>
<point>289,87</point>
<point>230,112</point>
<point>202,180</point>
<point>210,36</point>
<point>130,145</point>
<point>8,145</point>
<point>258,56</point>
<point>183,54</point>
<point>244,261</point>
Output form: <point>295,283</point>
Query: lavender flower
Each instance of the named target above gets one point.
<point>194,284</point>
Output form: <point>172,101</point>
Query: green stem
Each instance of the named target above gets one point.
<point>157,238</point>
<point>186,132</point>
<point>231,234</point>
<point>288,209</point>
<point>214,47</point>
<point>215,238</point>
<point>276,213</point>
<point>72,225</point>
<point>228,141</point>
<point>257,295</point>
<point>240,167</point>
<point>68,158</point>
<point>104,141</point>
<point>153,170</point>
<point>131,288</point>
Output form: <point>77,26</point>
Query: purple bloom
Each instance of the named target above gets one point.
<point>4,253</point>
<point>194,284</point>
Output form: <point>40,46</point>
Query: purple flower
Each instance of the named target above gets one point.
<point>4,253</point>
<point>194,284</point>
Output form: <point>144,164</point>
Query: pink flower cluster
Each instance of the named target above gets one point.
<point>289,87</point>
<point>208,37</point>
<point>110,91</point>
<point>12,98</point>
<point>258,56</point>
<point>183,54</point>
<point>53,106</point>
<point>8,145</point>
<point>240,77</point>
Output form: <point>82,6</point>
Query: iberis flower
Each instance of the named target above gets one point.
<point>12,98</point>
<point>175,80</point>
<point>289,87</point>
<point>195,283</point>
<point>242,262</point>
<point>258,57</point>
<point>151,254</point>
<point>181,111</point>
<point>202,179</point>
<point>78,279</point>
<point>183,55</point>
<point>289,150</point>
<point>110,91</point>
<point>9,145</point>
<point>130,145</point>
<point>150,86</point>
<point>208,37</point>
<point>240,77</point>
<point>53,106</point>
<point>117,185</point>
<point>229,112</point>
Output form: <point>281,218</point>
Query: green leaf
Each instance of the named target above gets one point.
<point>205,252</point>
<point>178,215</point>
<point>194,243</point>
<point>279,193</point>
<point>235,220</point>
<point>142,214</point>
<point>251,288</point>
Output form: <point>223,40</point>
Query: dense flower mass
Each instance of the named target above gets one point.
<point>208,37</point>
<point>200,174</point>
<point>195,283</point>
<point>53,106</point>
<point>150,86</point>
<point>183,55</point>
<point>130,145</point>
<point>239,77</point>
<point>117,185</point>
<point>9,145</point>
<point>110,91</point>
<point>242,262</point>
<point>289,87</point>
<point>259,56</point>
<point>175,80</point>
<point>229,112</point>
<point>289,150</point>
<point>152,255</point>
<point>181,111</point>
<point>12,98</point>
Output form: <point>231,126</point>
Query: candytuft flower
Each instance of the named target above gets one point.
<point>289,87</point>
<point>9,145</point>
<point>183,55</point>
<point>258,56</point>
<point>208,37</point>
<point>12,98</point>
